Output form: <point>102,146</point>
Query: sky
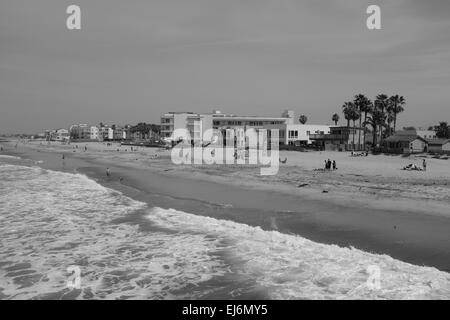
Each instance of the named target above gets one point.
<point>135,60</point>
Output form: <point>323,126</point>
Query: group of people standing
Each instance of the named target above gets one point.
<point>330,165</point>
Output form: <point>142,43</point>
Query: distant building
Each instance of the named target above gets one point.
<point>405,142</point>
<point>119,133</point>
<point>106,133</point>
<point>439,146</point>
<point>94,133</point>
<point>300,134</point>
<point>80,132</point>
<point>84,132</point>
<point>339,139</point>
<point>426,134</point>
<point>196,124</point>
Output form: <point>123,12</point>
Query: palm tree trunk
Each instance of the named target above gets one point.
<point>353,145</point>
<point>374,142</point>
<point>365,125</point>
<point>381,128</point>
<point>395,120</point>
<point>359,132</point>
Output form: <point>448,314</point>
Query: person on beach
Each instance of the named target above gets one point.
<point>108,172</point>
<point>329,164</point>
<point>424,165</point>
<point>334,165</point>
<point>326,164</point>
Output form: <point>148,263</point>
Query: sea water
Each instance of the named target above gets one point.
<point>52,222</point>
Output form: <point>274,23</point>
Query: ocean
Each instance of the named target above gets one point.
<point>64,236</point>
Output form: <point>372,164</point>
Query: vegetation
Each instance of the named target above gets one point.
<point>351,113</point>
<point>303,119</point>
<point>442,130</point>
<point>335,118</point>
<point>381,115</point>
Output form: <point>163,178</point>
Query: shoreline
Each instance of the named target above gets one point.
<point>420,239</point>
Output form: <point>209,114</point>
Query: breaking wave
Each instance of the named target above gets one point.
<point>52,220</point>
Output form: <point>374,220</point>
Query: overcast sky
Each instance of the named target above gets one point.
<point>134,60</point>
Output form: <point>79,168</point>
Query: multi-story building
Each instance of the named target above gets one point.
<point>290,133</point>
<point>426,134</point>
<point>300,134</point>
<point>94,133</point>
<point>57,135</point>
<point>120,133</point>
<point>195,124</point>
<point>105,133</point>
<point>339,139</point>
<point>80,132</point>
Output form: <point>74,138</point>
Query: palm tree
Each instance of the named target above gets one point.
<point>364,105</point>
<point>390,119</point>
<point>351,113</point>
<point>355,116</point>
<point>375,120</point>
<point>381,104</point>
<point>335,118</point>
<point>396,106</point>
<point>347,110</point>
<point>442,130</point>
<point>303,119</point>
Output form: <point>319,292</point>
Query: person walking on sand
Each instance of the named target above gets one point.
<point>334,165</point>
<point>329,164</point>
<point>424,164</point>
<point>108,172</point>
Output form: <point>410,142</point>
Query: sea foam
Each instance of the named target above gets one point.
<point>56,220</point>
<point>53,220</point>
<point>292,267</point>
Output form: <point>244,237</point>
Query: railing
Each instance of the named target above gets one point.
<point>328,137</point>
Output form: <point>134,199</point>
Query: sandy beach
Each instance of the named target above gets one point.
<point>412,223</point>
<point>366,179</point>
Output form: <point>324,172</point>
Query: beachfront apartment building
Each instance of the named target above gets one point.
<point>196,124</point>
<point>290,133</point>
<point>57,135</point>
<point>84,132</point>
<point>300,134</point>
<point>106,133</point>
<point>94,133</point>
<point>340,138</point>
<point>80,132</point>
<point>120,133</point>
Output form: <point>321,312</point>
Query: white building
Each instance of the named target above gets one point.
<point>289,132</point>
<point>94,133</point>
<point>299,134</point>
<point>426,134</point>
<point>120,133</point>
<point>106,133</point>
<point>195,124</point>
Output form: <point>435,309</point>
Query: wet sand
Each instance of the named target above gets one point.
<point>418,238</point>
